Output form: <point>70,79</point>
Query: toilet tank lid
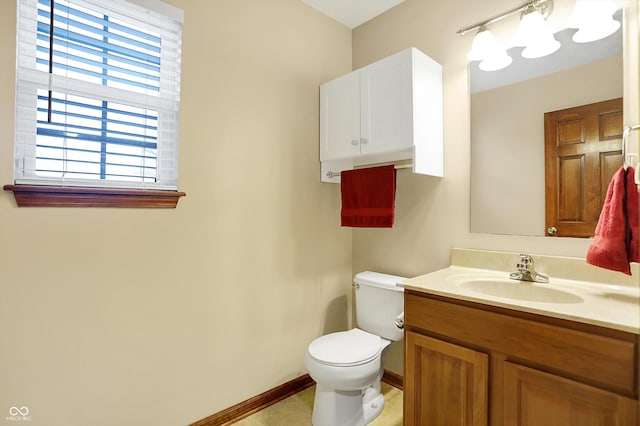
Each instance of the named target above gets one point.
<point>377,279</point>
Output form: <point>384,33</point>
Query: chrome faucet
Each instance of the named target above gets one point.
<point>525,271</point>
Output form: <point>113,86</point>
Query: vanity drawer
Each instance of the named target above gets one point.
<point>604,361</point>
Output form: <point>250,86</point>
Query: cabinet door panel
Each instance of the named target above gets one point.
<point>535,398</point>
<point>386,106</point>
<point>340,117</point>
<point>445,384</point>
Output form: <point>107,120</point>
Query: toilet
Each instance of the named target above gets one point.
<point>347,365</point>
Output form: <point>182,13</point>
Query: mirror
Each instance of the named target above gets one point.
<point>507,126</point>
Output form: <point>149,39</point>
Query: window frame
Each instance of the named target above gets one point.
<point>99,193</point>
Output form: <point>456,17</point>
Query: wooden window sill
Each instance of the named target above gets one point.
<point>64,196</point>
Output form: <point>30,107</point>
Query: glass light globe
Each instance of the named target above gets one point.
<point>530,26</point>
<point>497,61</point>
<point>483,44</point>
<point>594,20</point>
<point>543,47</point>
<point>535,34</point>
<point>597,31</point>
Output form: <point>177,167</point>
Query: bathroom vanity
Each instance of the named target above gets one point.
<point>557,354</point>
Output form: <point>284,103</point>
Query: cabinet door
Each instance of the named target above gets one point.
<point>534,398</point>
<point>386,104</point>
<point>445,384</point>
<point>340,117</point>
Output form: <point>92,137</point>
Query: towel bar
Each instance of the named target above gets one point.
<point>625,138</point>
<point>331,174</point>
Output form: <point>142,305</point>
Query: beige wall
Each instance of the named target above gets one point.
<point>432,215</point>
<point>139,317</point>
<point>507,143</point>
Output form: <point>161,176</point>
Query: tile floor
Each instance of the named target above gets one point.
<point>296,410</point>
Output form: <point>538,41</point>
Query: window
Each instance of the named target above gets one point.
<point>98,94</point>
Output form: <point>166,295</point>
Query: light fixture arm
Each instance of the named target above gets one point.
<point>544,5</point>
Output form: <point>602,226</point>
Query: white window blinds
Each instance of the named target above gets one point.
<point>98,94</point>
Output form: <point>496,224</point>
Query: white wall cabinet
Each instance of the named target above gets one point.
<point>388,111</point>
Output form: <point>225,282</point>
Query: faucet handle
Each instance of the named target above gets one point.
<point>525,259</point>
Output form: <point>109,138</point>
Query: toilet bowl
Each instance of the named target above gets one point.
<point>347,368</point>
<point>347,365</point>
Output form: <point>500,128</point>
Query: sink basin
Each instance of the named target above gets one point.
<point>519,290</point>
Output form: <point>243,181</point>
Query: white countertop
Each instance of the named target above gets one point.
<point>611,306</point>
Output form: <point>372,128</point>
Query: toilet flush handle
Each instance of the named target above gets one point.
<point>400,321</point>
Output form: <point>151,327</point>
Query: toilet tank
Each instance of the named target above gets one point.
<point>379,301</point>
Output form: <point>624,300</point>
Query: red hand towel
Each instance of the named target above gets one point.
<point>609,246</point>
<point>633,238</point>
<point>368,197</point>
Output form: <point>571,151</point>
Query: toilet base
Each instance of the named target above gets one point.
<point>347,408</point>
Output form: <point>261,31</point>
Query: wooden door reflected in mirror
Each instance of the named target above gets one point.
<point>583,149</point>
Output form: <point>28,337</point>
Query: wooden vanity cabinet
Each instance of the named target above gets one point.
<point>473,364</point>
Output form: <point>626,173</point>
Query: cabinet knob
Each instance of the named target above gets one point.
<point>364,141</point>
<point>552,230</point>
<point>354,142</point>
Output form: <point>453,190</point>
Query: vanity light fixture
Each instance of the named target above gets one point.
<point>594,20</point>
<point>533,33</point>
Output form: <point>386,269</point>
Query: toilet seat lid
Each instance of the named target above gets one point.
<point>346,348</point>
